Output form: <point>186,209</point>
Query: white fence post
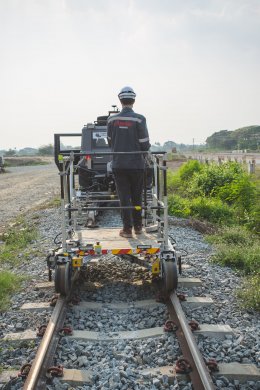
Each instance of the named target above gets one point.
<point>251,167</point>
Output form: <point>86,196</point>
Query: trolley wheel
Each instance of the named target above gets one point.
<point>63,278</point>
<point>170,275</point>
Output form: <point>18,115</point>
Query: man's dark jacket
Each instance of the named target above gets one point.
<point>127,132</point>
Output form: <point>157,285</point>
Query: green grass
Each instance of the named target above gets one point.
<point>16,239</point>
<point>238,248</point>
<point>235,235</point>
<point>178,206</point>
<point>241,257</point>
<point>9,283</point>
<point>256,175</point>
<point>49,204</point>
<point>211,209</point>
<point>249,293</point>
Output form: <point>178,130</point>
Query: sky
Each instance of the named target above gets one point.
<point>193,64</point>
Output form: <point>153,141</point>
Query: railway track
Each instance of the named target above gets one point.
<point>118,338</point>
<point>118,328</point>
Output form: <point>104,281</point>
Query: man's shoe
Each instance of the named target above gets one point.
<point>126,232</point>
<point>138,230</point>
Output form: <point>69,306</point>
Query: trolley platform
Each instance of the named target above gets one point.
<point>87,196</point>
<point>109,241</point>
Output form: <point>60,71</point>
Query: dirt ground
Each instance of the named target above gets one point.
<point>26,187</point>
<point>175,165</point>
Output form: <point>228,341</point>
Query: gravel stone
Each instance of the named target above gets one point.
<point>112,279</point>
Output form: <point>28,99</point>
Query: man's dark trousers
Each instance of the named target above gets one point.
<point>129,184</point>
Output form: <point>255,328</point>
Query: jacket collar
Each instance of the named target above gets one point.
<point>127,109</point>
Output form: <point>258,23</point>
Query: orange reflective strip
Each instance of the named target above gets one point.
<point>122,251</point>
<point>152,250</point>
<point>115,251</point>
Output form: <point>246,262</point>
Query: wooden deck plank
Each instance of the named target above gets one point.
<point>109,238</point>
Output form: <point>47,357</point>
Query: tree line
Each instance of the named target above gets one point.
<point>240,139</point>
<point>243,138</point>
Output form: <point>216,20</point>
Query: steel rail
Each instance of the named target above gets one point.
<point>199,375</point>
<point>41,361</point>
<point>36,379</point>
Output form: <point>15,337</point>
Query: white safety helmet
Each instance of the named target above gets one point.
<point>127,93</point>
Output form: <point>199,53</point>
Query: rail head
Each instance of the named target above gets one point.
<point>200,375</point>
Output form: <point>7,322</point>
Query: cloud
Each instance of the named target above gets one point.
<point>193,63</point>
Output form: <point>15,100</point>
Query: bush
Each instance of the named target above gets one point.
<point>188,169</point>
<point>177,181</point>
<point>174,182</point>
<point>212,210</point>
<point>224,195</point>
<point>178,206</point>
<point>212,177</point>
<point>241,192</point>
<point>253,222</point>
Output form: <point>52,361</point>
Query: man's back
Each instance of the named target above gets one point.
<point>127,132</point>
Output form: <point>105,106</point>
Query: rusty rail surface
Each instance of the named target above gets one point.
<point>36,378</point>
<point>199,373</point>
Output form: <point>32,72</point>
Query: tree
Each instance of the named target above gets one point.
<point>169,145</point>
<point>243,138</point>
<point>46,150</point>
<point>10,153</point>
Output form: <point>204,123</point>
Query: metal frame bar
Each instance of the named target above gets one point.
<point>88,153</point>
<point>165,201</point>
<point>69,203</point>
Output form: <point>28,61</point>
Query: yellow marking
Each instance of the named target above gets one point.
<point>60,157</point>
<point>77,261</point>
<point>156,266</point>
<point>122,251</point>
<point>151,251</point>
<point>138,208</point>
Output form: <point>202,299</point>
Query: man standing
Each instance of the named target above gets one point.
<point>127,132</point>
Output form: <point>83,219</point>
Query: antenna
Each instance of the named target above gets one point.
<point>115,109</point>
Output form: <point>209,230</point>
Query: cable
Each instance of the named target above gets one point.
<point>12,382</point>
<point>55,239</point>
<point>173,241</point>
<point>185,252</point>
